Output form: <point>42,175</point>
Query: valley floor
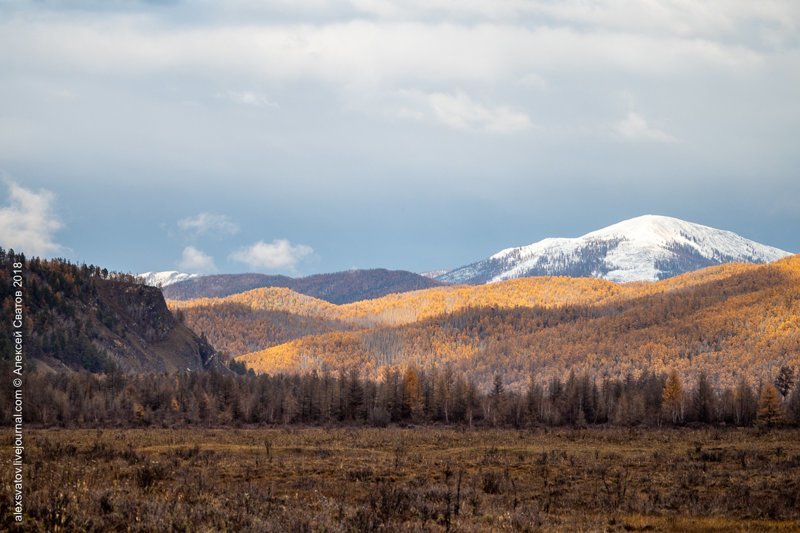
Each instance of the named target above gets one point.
<point>407,479</point>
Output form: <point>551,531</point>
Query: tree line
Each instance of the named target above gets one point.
<point>410,396</point>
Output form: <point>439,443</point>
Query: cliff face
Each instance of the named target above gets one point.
<point>135,328</point>
<point>80,318</point>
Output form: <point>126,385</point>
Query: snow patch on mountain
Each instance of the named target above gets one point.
<point>433,274</point>
<point>162,279</point>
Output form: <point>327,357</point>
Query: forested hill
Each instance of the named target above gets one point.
<point>338,288</point>
<point>729,321</point>
<point>83,318</point>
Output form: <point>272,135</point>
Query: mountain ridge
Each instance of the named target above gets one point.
<point>338,287</point>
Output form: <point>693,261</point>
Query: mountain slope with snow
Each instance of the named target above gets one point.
<point>163,279</point>
<point>434,274</point>
<point>644,248</point>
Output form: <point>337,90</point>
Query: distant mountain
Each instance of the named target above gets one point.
<point>645,248</point>
<point>338,288</point>
<point>162,279</point>
<point>79,318</point>
<point>357,285</point>
<point>221,285</point>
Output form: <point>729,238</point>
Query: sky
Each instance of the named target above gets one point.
<point>305,136</point>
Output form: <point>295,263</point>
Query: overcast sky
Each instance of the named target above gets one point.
<point>303,136</point>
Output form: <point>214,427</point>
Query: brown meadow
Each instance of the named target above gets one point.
<point>410,479</point>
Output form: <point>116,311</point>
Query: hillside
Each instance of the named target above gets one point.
<point>81,318</point>
<point>397,309</point>
<point>267,299</point>
<point>264,317</point>
<point>236,329</point>
<point>645,248</point>
<point>257,319</point>
<point>338,288</point>
<point>731,321</point>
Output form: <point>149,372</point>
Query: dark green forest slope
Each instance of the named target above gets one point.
<point>82,317</point>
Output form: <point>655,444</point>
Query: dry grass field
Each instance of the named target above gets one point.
<point>409,479</point>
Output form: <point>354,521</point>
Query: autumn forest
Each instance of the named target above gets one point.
<point>731,322</point>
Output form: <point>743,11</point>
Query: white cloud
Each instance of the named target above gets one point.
<point>457,110</point>
<point>196,261</point>
<point>27,223</point>
<point>634,127</point>
<point>251,98</point>
<point>279,254</point>
<point>534,81</point>
<point>208,223</point>
<point>360,51</point>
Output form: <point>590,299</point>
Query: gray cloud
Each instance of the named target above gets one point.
<point>434,130</point>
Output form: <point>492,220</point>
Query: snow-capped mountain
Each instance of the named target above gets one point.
<point>648,247</point>
<point>162,279</point>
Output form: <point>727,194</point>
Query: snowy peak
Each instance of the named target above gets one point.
<point>658,230</point>
<point>162,279</point>
<point>648,247</point>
